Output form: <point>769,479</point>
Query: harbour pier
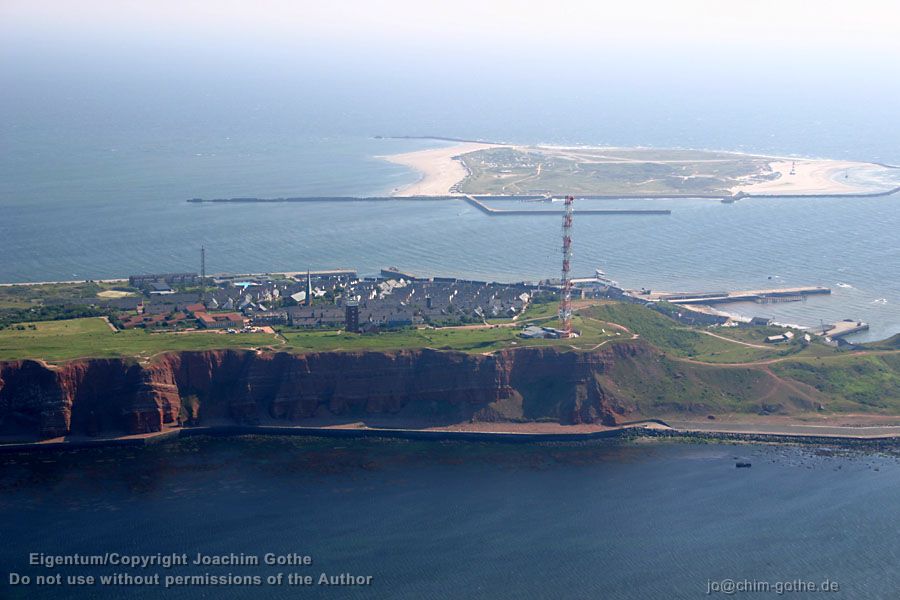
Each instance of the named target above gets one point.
<point>474,201</point>
<point>759,296</point>
<point>581,211</point>
<point>844,328</point>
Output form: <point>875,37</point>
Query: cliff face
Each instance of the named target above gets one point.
<point>110,396</point>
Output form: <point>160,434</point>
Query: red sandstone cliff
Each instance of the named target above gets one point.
<point>111,396</point>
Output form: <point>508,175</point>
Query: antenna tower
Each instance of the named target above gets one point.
<point>565,300</point>
<point>202,274</point>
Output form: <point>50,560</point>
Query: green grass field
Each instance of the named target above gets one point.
<point>680,340</point>
<point>892,343</point>
<point>93,337</point>
<point>470,340</point>
<point>658,381</point>
<point>863,381</point>
<point>27,296</point>
<point>464,339</point>
<point>594,171</point>
<point>661,383</point>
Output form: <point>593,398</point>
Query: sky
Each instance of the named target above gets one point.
<point>412,44</point>
<point>466,60</point>
<point>434,29</point>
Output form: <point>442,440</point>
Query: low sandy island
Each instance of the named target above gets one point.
<point>438,168</point>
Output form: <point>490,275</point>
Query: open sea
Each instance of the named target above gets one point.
<point>101,147</point>
<point>110,202</point>
<point>108,127</point>
<point>612,520</point>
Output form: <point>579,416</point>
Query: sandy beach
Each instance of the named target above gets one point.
<point>812,177</point>
<point>439,171</point>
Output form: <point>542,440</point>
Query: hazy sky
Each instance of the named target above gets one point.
<point>354,62</point>
<point>799,26</point>
<point>751,43</point>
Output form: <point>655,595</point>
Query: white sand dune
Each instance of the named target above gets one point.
<point>439,170</point>
<point>812,177</point>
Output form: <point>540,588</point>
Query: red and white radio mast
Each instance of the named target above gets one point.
<point>565,300</point>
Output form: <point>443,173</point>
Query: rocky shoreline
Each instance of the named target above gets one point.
<point>527,395</point>
<point>649,429</point>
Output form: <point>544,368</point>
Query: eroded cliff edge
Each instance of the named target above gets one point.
<point>119,396</point>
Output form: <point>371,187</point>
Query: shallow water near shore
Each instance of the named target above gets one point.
<point>102,214</point>
<point>611,519</point>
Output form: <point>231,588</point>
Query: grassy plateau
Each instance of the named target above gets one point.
<point>669,368</point>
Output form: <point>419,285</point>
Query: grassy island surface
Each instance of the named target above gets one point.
<point>504,169</point>
<point>598,324</point>
<point>654,362</point>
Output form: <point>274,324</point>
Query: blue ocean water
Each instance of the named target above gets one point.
<point>444,520</point>
<point>101,143</point>
<point>94,185</point>
<point>107,219</point>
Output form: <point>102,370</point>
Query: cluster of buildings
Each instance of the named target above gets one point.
<point>394,300</point>
<point>325,299</point>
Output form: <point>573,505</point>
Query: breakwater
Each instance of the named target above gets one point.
<point>478,201</point>
<point>469,199</point>
<point>581,211</point>
<point>889,192</point>
<point>252,200</point>
<point>740,296</point>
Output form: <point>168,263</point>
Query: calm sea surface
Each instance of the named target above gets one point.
<point>99,153</point>
<point>98,156</point>
<point>444,520</point>
<point>111,209</point>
